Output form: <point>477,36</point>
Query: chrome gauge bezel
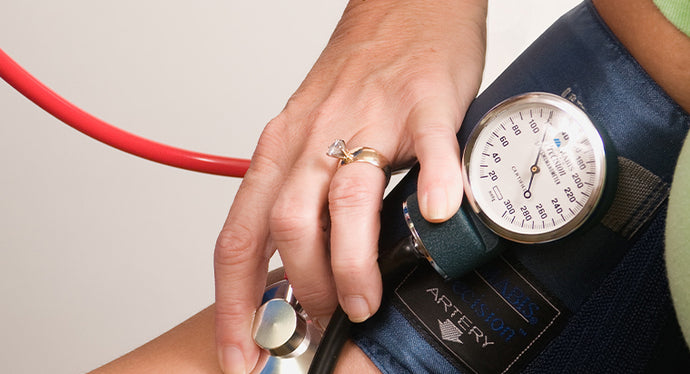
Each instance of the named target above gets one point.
<point>599,153</point>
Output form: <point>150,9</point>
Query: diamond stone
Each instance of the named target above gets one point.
<point>337,149</point>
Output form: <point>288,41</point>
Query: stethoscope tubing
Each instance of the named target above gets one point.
<point>73,116</point>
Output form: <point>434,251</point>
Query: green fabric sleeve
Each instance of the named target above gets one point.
<point>678,220</point>
<point>676,11</point>
<point>678,240</point>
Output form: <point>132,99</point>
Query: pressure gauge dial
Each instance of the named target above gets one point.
<point>534,168</point>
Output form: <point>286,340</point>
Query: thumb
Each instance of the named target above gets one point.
<point>433,124</point>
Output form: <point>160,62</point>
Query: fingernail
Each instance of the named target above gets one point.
<point>436,202</point>
<point>357,308</point>
<point>232,360</point>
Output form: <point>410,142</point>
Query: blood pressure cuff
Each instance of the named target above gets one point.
<point>595,302</point>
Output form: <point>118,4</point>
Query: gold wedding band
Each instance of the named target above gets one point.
<point>360,154</point>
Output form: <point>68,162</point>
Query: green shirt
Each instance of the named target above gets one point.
<point>676,11</point>
<point>678,240</point>
<point>678,219</point>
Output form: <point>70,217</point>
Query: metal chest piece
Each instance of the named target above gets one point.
<point>282,328</point>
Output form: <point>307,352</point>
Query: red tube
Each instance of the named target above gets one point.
<point>68,113</point>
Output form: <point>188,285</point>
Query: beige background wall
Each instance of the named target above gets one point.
<point>101,251</point>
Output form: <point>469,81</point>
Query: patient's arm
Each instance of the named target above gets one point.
<point>187,348</point>
<point>190,348</point>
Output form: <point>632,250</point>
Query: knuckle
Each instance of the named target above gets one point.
<point>319,120</point>
<point>302,100</point>
<point>277,124</point>
<point>317,300</point>
<point>267,152</point>
<point>234,245</point>
<point>288,220</point>
<point>228,321</point>
<point>272,134</point>
<point>422,82</point>
<point>354,267</point>
<point>432,130</point>
<point>351,269</point>
<point>427,82</point>
<point>271,147</point>
<point>436,145</point>
<point>350,192</point>
<point>229,313</point>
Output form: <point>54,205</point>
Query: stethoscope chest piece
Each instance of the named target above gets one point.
<point>284,330</point>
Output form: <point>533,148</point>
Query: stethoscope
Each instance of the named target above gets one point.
<point>535,170</point>
<point>88,124</point>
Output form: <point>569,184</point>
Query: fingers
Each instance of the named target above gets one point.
<point>433,124</point>
<point>241,260</point>
<point>299,228</point>
<point>355,202</point>
<point>282,203</point>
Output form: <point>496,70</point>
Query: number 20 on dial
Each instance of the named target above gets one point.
<point>534,168</point>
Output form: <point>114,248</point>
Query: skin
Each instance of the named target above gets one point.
<point>390,79</point>
<point>190,348</point>
<point>658,46</point>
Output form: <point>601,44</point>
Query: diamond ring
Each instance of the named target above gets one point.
<point>360,154</point>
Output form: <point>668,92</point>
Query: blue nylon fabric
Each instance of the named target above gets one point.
<point>407,357</point>
<point>618,326</point>
<point>622,317</point>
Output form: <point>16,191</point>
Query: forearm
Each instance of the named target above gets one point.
<point>187,348</point>
<point>658,46</point>
<point>190,348</point>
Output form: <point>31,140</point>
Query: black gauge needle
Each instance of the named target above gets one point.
<point>534,169</point>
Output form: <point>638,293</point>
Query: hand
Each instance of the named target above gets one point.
<point>396,76</point>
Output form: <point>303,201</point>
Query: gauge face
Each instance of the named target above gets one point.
<point>534,168</point>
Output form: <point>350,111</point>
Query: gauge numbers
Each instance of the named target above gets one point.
<point>535,168</point>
